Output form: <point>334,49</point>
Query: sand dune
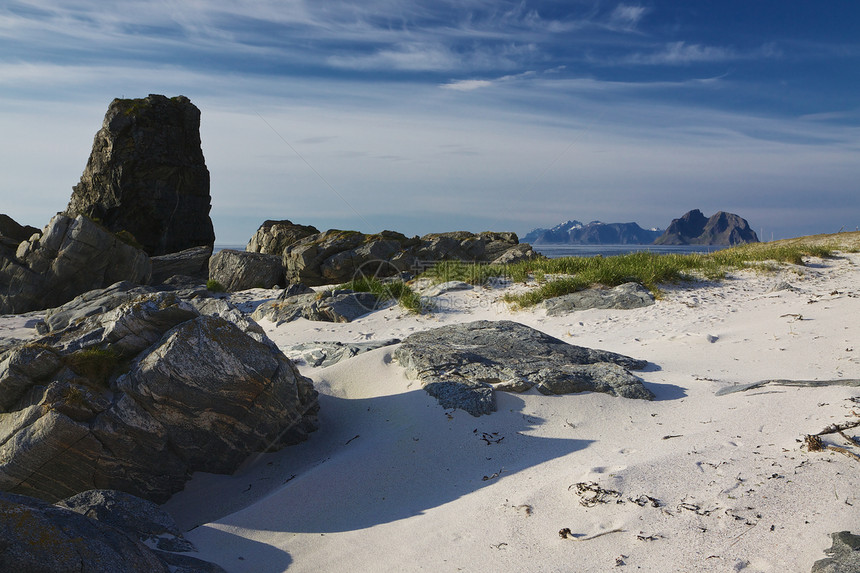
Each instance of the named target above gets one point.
<point>693,481</point>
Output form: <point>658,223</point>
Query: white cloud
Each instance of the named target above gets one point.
<point>467,85</point>
<point>626,16</point>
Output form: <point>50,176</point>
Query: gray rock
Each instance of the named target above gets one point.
<point>97,301</point>
<point>138,398</point>
<point>36,537</point>
<point>844,555</point>
<point>516,254</point>
<point>11,229</point>
<point>461,365</point>
<point>449,286</point>
<point>136,516</point>
<point>242,270</point>
<point>324,354</point>
<point>70,257</point>
<point>336,306</point>
<point>147,176</point>
<point>339,256</point>
<point>273,237</point>
<point>192,263</point>
<point>622,297</point>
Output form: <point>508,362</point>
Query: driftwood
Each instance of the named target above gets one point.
<point>814,443</point>
<point>780,382</point>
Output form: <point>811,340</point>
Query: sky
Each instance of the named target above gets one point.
<point>441,115</point>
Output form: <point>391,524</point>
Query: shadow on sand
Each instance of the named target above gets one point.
<point>375,461</point>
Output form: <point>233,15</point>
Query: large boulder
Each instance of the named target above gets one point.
<point>36,537</point>
<point>141,396</point>
<point>99,531</point>
<point>70,257</point>
<point>693,228</point>
<point>462,364</point>
<point>274,236</point>
<point>192,263</point>
<point>844,555</point>
<point>339,305</point>
<point>147,176</point>
<point>623,297</point>
<point>242,270</point>
<point>340,256</point>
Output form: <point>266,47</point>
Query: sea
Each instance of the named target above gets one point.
<point>558,251</point>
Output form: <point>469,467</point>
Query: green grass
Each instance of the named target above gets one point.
<point>393,290</point>
<point>96,364</point>
<point>214,286</point>
<point>648,269</point>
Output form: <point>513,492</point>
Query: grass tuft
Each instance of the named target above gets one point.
<point>388,290</point>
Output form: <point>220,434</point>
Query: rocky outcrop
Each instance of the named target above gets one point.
<point>242,270</point>
<point>844,555</point>
<point>191,263</point>
<point>147,176</point>
<point>339,256</point>
<point>13,231</point>
<point>593,233</point>
<point>141,396</point>
<point>623,297</point>
<point>70,257</point>
<point>695,229</point>
<point>324,354</point>
<point>97,531</point>
<point>274,236</point>
<point>36,536</point>
<point>461,365</point>
<point>339,305</point>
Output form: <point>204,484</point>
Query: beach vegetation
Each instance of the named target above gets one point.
<point>214,286</point>
<point>95,364</point>
<point>565,275</point>
<point>387,290</point>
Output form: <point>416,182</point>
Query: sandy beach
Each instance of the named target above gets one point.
<point>700,479</point>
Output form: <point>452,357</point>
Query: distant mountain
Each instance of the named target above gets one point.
<point>696,229</point>
<point>593,233</point>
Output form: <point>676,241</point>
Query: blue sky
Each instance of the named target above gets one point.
<point>424,116</point>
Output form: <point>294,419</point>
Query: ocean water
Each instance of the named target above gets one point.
<point>558,251</point>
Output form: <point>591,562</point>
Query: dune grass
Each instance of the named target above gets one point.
<point>387,290</point>
<point>565,275</point>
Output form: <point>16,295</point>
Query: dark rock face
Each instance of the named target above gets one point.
<point>622,297</point>
<point>71,257</point>
<point>139,397</point>
<point>146,175</point>
<point>274,236</point>
<point>36,537</point>
<point>844,555</point>
<point>10,229</point>
<point>96,531</point>
<point>339,256</point>
<point>461,365</point>
<point>720,229</point>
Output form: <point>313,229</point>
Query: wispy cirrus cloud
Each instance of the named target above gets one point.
<point>682,53</point>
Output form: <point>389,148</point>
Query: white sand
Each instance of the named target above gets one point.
<point>393,482</point>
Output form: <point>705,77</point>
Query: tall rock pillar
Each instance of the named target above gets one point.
<point>146,175</point>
